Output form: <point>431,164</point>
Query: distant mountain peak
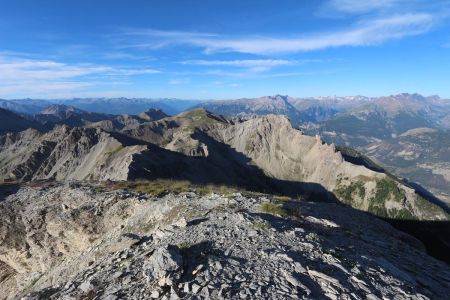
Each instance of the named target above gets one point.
<point>278,97</point>
<point>61,109</point>
<point>152,114</point>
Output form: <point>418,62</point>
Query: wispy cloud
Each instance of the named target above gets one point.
<point>364,33</point>
<point>247,74</point>
<point>226,84</point>
<point>358,6</point>
<point>12,68</point>
<point>20,75</point>
<point>247,63</point>
<point>251,65</point>
<point>160,38</point>
<point>179,81</point>
<point>124,56</point>
<point>43,70</point>
<point>131,72</point>
<point>43,88</point>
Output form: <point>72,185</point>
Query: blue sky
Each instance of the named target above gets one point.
<point>223,49</point>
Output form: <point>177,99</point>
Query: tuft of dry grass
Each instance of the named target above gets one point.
<point>164,186</point>
<point>273,209</point>
<point>281,198</point>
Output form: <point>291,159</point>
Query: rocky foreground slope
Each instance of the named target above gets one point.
<point>72,241</point>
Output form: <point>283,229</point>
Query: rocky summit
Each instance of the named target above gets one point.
<point>84,241</point>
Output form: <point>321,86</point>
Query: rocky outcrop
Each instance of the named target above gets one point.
<point>164,266</point>
<point>152,115</point>
<point>65,153</point>
<point>76,241</point>
<point>285,153</point>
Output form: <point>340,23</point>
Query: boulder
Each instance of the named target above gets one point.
<point>165,266</point>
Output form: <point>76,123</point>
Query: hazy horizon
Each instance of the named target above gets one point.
<point>217,99</point>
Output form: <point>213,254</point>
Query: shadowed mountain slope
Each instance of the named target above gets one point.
<point>12,122</point>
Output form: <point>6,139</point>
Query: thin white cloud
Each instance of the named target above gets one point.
<point>247,63</point>
<point>43,70</point>
<point>26,76</point>
<point>12,68</point>
<point>124,56</point>
<point>365,34</point>
<point>169,33</point>
<point>130,72</point>
<point>251,65</point>
<point>249,74</point>
<point>372,32</point>
<point>160,38</point>
<point>226,84</point>
<point>179,81</point>
<point>360,6</point>
<point>42,89</point>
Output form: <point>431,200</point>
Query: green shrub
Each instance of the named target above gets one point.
<point>402,214</point>
<point>347,192</point>
<point>387,187</point>
<point>385,190</point>
<point>183,245</point>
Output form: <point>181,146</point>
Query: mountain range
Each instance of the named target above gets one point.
<point>250,152</point>
<point>115,106</point>
<point>251,170</point>
<point>263,153</point>
<point>358,122</point>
